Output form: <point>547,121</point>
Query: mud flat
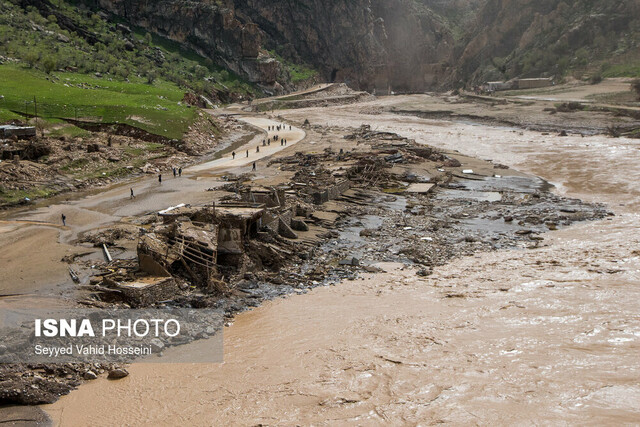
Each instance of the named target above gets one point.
<point>541,330</point>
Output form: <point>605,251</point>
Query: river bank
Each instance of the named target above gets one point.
<point>508,335</point>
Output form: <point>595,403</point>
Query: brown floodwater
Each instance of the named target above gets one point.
<point>530,336</point>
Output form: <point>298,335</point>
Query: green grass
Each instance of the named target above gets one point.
<point>71,95</point>
<point>622,70</point>
<point>76,164</point>
<point>7,115</point>
<point>298,72</point>
<point>15,196</point>
<point>301,73</point>
<point>70,131</point>
<point>151,147</point>
<point>127,64</point>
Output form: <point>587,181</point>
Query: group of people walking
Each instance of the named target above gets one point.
<point>267,142</point>
<point>177,172</point>
<point>278,128</point>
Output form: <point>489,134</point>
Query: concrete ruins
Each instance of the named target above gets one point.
<point>208,247</point>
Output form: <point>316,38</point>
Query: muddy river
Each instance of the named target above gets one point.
<point>530,336</point>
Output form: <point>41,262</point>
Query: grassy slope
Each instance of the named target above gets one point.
<point>70,95</point>
<point>140,85</point>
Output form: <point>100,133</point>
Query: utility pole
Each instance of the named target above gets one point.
<point>35,108</point>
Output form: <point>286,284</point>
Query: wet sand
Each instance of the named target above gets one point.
<point>543,336</point>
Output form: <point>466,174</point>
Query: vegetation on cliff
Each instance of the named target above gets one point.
<point>79,65</point>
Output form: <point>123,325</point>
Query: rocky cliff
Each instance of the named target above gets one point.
<point>402,45</point>
<point>213,29</point>
<point>547,37</point>
<point>339,38</point>
<point>369,44</point>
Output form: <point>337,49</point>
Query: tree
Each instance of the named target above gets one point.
<point>31,57</point>
<point>151,76</point>
<point>49,63</point>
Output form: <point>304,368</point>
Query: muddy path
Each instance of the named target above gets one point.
<point>547,335</point>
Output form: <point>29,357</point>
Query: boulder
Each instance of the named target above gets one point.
<point>118,373</point>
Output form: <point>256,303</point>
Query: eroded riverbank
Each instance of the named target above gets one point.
<point>547,334</point>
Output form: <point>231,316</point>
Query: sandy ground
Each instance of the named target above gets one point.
<point>576,92</point>
<point>545,336</point>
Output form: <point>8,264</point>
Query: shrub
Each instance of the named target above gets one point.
<point>49,63</point>
<point>32,57</point>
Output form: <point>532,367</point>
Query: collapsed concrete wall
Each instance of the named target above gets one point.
<point>331,192</point>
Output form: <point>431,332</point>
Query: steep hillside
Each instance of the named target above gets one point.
<point>418,43</point>
<point>550,38</point>
<point>402,45</point>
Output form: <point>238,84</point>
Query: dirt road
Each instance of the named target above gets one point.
<point>247,154</point>
<point>542,336</point>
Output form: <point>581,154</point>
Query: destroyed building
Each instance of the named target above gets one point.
<point>206,246</point>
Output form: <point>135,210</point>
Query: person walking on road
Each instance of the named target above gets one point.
<point>175,172</point>
<point>247,153</point>
<point>179,171</point>
<point>233,155</point>
<point>258,149</point>
<point>132,196</point>
<point>64,220</point>
<point>254,166</point>
<point>160,178</point>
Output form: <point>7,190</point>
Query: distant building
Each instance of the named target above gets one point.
<point>495,86</point>
<point>21,132</point>
<point>534,83</point>
<point>518,84</point>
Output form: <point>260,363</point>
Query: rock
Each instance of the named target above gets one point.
<point>299,225</point>
<point>285,231</point>
<point>156,345</point>
<point>508,218</point>
<point>118,373</point>
<point>367,232</point>
<point>90,375</point>
<point>423,272</point>
<point>123,29</point>
<point>353,261</point>
<point>563,133</point>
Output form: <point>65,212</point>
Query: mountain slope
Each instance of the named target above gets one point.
<point>530,38</point>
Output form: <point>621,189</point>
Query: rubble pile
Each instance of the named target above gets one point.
<point>37,384</point>
<point>191,251</point>
<point>365,133</point>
